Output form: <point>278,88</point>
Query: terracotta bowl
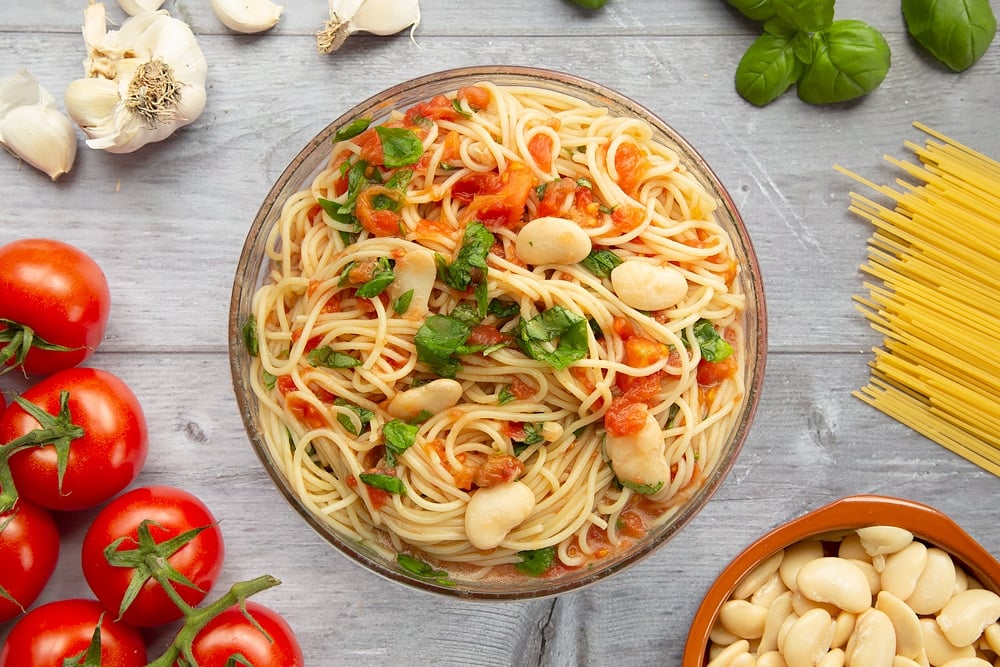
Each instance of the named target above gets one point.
<point>927,524</point>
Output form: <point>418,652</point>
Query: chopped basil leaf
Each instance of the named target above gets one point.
<point>467,312</point>
<point>389,483</point>
<point>470,262</point>
<point>383,202</point>
<point>365,417</point>
<point>642,489</point>
<point>437,339</point>
<point>713,346</point>
<point>419,568</point>
<point>596,328</point>
<point>400,146</point>
<point>352,129</point>
<point>249,332</point>
<point>601,262</point>
<point>382,277</point>
<point>672,414</point>
<point>584,183</point>
<point>505,396</point>
<point>269,380</point>
<point>502,309</point>
<point>422,416</point>
<point>399,179</point>
<point>330,358</point>
<point>399,436</point>
<point>456,104</point>
<point>540,190</point>
<point>535,562</point>
<point>532,436</point>
<point>556,336</point>
<point>345,274</point>
<point>402,303</point>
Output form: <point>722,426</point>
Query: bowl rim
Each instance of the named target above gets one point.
<point>927,523</point>
<point>756,346</point>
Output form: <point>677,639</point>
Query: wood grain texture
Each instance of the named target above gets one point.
<point>167,224</point>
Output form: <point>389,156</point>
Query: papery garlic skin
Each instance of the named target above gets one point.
<point>157,71</point>
<point>247,16</point>
<point>136,7</point>
<point>32,129</point>
<point>379,17</point>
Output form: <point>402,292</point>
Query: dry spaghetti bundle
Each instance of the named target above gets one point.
<point>935,258</point>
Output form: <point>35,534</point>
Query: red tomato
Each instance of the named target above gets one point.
<point>171,512</point>
<point>102,462</point>
<point>60,294</point>
<point>49,634</point>
<point>26,564</point>
<point>231,633</point>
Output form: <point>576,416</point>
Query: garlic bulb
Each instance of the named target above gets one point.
<point>136,7</point>
<point>142,81</point>
<point>247,16</point>
<point>32,129</point>
<point>379,17</point>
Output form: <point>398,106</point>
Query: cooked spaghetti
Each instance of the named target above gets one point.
<point>455,361</point>
<point>936,257</point>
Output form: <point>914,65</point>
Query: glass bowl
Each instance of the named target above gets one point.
<point>253,270</point>
<point>831,523</point>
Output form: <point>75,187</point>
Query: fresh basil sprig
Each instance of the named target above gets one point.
<point>956,32</point>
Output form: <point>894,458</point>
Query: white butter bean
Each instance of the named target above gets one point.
<point>551,240</point>
<point>415,270</point>
<point>874,578</point>
<point>992,637</point>
<point>845,622</point>
<point>639,458</point>
<point>801,604</point>
<point>771,659</point>
<point>939,650</point>
<point>719,635</point>
<point>974,661</point>
<point>808,639</point>
<point>900,661</point>
<point>796,556</point>
<point>873,643</point>
<point>935,585</point>
<point>494,511</point>
<point>965,616</point>
<point>903,568</point>
<point>769,591</point>
<point>743,660</point>
<point>434,397</point>
<point>779,610</point>
<point>646,286</point>
<point>882,540</point>
<point>850,548</point>
<point>758,576</point>
<point>909,638</point>
<point>834,658</point>
<point>836,581</point>
<point>743,619</point>
<point>726,656</point>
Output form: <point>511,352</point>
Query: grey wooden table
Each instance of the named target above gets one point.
<point>167,224</point>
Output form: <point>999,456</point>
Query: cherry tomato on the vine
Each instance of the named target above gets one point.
<point>53,632</point>
<point>54,305</point>
<point>102,462</point>
<point>231,633</point>
<point>29,550</point>
<point>164,513</point>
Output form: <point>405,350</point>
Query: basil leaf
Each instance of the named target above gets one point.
<point>249,332</point>
<point>401,304</point>
<point>467,312</point>
<point>781,28</point>
<point>503,310</point>
<point>535,562</point>
<point>601,262</point>
<point>642,489</point>
<point>436,341</point>
<point>755,10</point>
<point>382,277</point>
<point>767,69</point>
<point>419,568</point>
<point>399,179</point>
<point>389,483</point>
<point>365,416</point>
<point>850,59</point>
<point>269,380</point>
<point>470,261</point>
<point>456,104</point>
<point>556,336</point>
<point>805,15</point>
<point>532,436</point>
<point>399,436</point>
<point>956,32</point>
<point>713,346</point>
<point>505,396</point>
<point>400,146</point>
<point>352,129</point>
<point>330,358</point>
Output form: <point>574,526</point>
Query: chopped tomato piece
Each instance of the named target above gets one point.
<point>641,352</point>
<point>625,217</point>
<point>486,334</point>
<point>311,344</point>
<point>438,107</point>
<point>478,98</point>
<point>631,524</point>
<point>474,184</point>
<point>497,469</point>
<point>625,417</point>
<point>630,163</point>
<point>305,412</point>
<point>711,373</point>
<point>623,328</point>
<point>286,384</point>
<point>540,146</point>
<point>557,198</point>
<point>371,146</point>
<point>378,221</point>
<point>521,389</point>
<point>506,207</point>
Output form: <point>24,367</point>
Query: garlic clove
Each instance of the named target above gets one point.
<point>41,136</point>
<point>136,7</point>
<point>91,102</point>
<point>247,16</point>
<point>379,17</point>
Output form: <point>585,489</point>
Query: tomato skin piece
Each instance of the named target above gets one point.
<point>48,634</point>
<point>104,461</point>
<point>230,632</point>
<point>29,551</point>
<point>176,511</point>
<point>61,293</point>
